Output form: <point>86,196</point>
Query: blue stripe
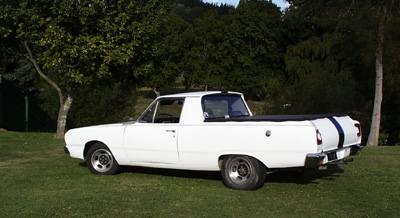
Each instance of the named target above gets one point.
<point>340,131</point>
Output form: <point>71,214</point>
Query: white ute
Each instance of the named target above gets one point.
<point>215,131</point>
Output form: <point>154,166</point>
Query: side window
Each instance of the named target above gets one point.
<point>223,106</point>
<point>164,111</point>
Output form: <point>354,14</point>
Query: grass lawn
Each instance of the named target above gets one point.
<point>37,179</point>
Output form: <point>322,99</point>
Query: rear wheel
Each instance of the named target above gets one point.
<point>243,172</point>
<point>100,160</point>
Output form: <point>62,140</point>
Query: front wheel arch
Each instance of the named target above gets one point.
<point>90,144</point>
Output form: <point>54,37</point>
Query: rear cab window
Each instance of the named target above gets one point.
<point>223,106</point>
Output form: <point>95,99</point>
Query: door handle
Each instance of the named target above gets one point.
<point>173,131</point>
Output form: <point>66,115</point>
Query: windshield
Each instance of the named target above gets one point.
<point>223,106</point>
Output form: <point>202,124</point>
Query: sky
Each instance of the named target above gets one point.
<point>281,3</point>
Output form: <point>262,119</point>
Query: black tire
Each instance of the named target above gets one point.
<point>243,172</point>
<point>100,160</point>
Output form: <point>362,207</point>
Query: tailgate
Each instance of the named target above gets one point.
<point>337,132</point>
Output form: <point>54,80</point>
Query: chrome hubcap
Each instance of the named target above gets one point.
<point>240,170</point>
<point>102,160</point>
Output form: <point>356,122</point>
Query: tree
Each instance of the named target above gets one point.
<point>241,50</point>
<point>255,47</point>
<point>171,49</point>
<point>73,43</point>
<point>355,33</point>
<point>384,12</point>
<point>368,20</point>
<point>202,59</point>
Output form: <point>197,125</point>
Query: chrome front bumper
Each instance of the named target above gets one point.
<point>314,161</point>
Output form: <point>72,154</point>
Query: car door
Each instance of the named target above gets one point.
<point>154,138</point>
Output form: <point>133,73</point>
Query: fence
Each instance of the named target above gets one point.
<point>18,113</point>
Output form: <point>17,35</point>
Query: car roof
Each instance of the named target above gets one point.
<point>197,94</point>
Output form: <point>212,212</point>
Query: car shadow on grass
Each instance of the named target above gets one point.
<point>208,175</point>
<point>298,177</point>
<point>305,177</point>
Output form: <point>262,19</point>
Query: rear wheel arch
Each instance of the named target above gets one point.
<point>221,159</point>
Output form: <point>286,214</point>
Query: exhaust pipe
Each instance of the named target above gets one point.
<point>356,149</point>
<point>341,162</point>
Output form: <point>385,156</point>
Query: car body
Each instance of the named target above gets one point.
<point>216,131</point>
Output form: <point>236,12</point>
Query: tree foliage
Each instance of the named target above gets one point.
<point>240,50</point>
<point>345,37</point>
<point>73,43</point>
<point>255,47</point>
<point>95,34</point>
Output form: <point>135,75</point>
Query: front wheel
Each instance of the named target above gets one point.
<point>100,160</point>
<point>243,172</point>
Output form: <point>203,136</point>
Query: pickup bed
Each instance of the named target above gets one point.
<point>216,131</point>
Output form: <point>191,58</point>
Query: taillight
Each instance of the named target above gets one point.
<point>319,138</point>
<point>358,126</point>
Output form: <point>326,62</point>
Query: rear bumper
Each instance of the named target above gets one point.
<point>314,161</point>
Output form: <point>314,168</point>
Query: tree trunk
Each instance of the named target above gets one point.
<point>64,106</point>
<point>62,117</point>
<point>373,137</point>
<point>157,93</point>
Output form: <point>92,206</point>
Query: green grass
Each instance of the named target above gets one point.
<point>37,179</point>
